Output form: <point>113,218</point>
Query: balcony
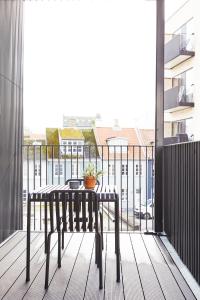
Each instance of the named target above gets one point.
<point>175,100</point>
<point>178,50</point>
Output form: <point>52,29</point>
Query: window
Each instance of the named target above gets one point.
<point>124,169</point>
<point>111,169</point>
<point>37,170</point>
<point>124,194</point>
<point>117,144</point>
<point>58,170</point>
<point>138,169</point>
<point>72,146</point>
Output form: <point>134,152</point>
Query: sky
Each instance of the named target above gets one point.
<point>83,57</point>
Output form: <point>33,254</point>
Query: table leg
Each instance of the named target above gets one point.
<point>117,238</point>
<point>45,227</point>
<point>28,239</point>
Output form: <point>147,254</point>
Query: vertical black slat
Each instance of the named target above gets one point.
<point>165,216</point>
<point>189,206</point>
<point>194,211</point>
<point>57,196</point>
<point>172,197</point>
<point>64,161</point>
<point>51,199</point>
<point>77,175</point>
<point>46,163</point>
<point>197,214</point>
<point>34,167</point>
<point>52,162</point>
<point>176,183</point>
<point>96,154</point>
<point>45,223</point>
<point>40,147</point>
<point>90,211</point>
<point>114,165</point>
<point>180,170</point>
<point>192,229</point>
<point>183,158</point>
<point>102,162</point>
<point>139,170</point>
<point>84,212</point>
<point>28,240</point>
<point>117,239</point>
<point>83,157</point>
<point>127,170</point>
<point>146,180</point>
<point>121,182</point>
<point>102,167</point>
<point>28,181</point>
<point>34,182</point>
<point>45,205</point>
<point>187,200</point>
<point>71,159</point>
<point>108,150</point>
<point>64,210</point>
<point>70,207</point>
<point>108,164</point>
<point>152,185</point>
<point>133,147</point>
<point>77,210</point>
<point>178,197</point>
<point>59,168</point>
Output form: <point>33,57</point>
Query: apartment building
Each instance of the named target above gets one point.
<point>182,73</point>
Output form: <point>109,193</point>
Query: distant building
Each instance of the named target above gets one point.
<point>182,69</point>
<point>80,121</point>
<point>72,141</point>
<point>126,162</point>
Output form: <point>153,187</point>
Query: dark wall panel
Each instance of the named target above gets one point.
<point>11,115</point>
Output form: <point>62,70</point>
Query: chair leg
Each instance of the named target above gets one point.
<point>47,261</point>
<point>97,249</point>
<point>101,224</point>
<point>100,263</point>
<point>59,249</point>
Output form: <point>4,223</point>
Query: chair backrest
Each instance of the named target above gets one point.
<point>81,180</point>
<point>78,210</point>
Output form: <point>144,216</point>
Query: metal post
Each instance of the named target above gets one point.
<point>159,114</point>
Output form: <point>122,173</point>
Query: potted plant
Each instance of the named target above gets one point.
<point>91,175</point>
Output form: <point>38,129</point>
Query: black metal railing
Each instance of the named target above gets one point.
<point>182,202</point>
<point>130,167</point>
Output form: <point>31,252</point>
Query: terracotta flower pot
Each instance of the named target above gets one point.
<point>89,182</point>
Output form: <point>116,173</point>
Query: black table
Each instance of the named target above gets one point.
<point>105,193</point>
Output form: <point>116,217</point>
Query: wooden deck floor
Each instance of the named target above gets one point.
<point>147,269</point>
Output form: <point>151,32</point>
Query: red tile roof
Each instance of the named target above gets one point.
<point>137,139</point>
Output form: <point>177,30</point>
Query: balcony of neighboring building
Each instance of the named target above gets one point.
<point>178,48</point>
<point>179,92</point>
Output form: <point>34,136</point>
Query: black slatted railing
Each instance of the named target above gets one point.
<point>182,202</point>
<point>130,167</point>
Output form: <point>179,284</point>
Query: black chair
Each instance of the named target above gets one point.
<point>81,180</point>
<point>80,212</point>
